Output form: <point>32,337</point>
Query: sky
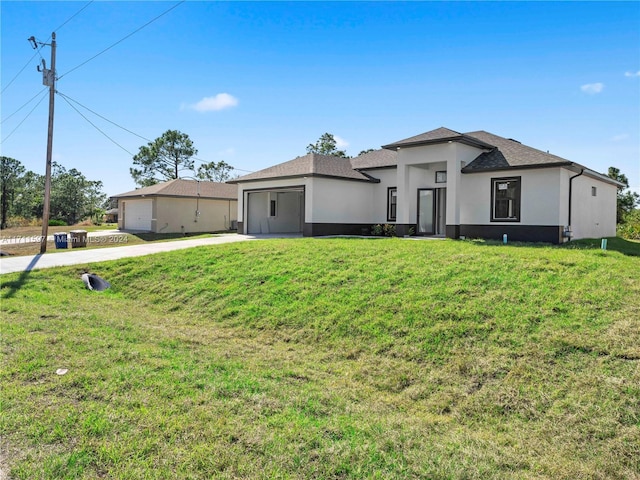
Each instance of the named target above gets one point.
<point>254,83</point>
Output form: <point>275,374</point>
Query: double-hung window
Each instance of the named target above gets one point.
<point>392,203</point>
<point>505,199</point>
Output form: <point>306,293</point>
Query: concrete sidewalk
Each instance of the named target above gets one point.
<point>81,256</point>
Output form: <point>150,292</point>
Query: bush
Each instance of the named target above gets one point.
<point>54,222</point>
<point>630,229</point>
<point>388,230</point>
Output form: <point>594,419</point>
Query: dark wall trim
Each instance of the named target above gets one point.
<point>403,229</point>
<point>518,233</point>
<point>321,229</point>
<point>452,231</point>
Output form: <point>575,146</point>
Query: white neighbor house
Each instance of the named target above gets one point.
<point>441,183</point>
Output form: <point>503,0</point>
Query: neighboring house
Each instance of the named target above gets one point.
<point>111,215</point>
<point>179,206</point>
<point>440,183</point>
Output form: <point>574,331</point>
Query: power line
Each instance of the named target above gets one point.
<point>68,99</point>
<point>38,50</point>
<point>72,17</point>
<point>122,39</point>
<point>25,104</point>
<point>94,126</point>
<point>28,114</point>
<point>104,118</point>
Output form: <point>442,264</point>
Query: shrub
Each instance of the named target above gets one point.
<point>376,230</point>
<point>54,222</point>
<point>389,230</point>
<point>630,229</point>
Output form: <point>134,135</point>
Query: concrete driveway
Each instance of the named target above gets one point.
<point>81,256</point>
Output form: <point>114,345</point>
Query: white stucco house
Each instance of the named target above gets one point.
<point>441,183</point>
<point>179,206</point>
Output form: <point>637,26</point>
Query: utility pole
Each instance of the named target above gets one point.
<point>48,79</point>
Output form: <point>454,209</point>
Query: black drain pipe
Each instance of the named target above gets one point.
<point>568,233</point>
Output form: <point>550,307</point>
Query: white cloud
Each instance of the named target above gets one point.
<point>218,102</point>
<point>632,74</point>
<point>592,88</point>
<point>340,142</point>
<point>619,138</point>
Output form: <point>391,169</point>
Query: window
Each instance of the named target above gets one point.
<point>441,177</point>
<point>273,208</point>
<point>392,202</point>
<point>594,191</point>
<point>505,199</point>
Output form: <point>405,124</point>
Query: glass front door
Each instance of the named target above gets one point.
<point>426,210</point>
<point>432,211</point>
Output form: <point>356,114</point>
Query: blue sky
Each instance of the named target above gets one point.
<point>254,83</point>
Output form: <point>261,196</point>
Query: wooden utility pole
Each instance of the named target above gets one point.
<point>49,79</point>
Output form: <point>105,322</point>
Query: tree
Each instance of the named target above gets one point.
<point>163,159</point>
<point>326,145</point>
<point>11,172</point>
<point>215,172</point>
<point>627,201</point>
<point>73,196</point>
<point>30,200</point>
<point>363,152</point>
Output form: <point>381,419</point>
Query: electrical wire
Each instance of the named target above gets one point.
<point>69,99</point>
<point>27,103</point>
<point>104,118</point>
<point>122,39</point>
<point>94,126</point>
<point>43,44</point>
<point>23,120</point>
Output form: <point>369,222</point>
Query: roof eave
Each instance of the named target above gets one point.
<point>517,167</point>
<point>458,138</point>
<point>307,175</point>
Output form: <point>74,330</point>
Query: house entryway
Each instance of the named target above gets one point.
<point>432,211</point>
<point>275,211</point>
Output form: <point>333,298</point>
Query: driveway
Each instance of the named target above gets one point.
<point>80,256</point>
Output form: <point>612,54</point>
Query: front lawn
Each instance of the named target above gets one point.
<point>327,358</point>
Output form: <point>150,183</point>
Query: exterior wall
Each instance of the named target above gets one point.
<point>177,215</point>
<point>340,201</point>
<point>388,178</point>
<point>592,217</point>
<point>539,202</point>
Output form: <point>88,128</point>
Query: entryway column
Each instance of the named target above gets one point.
<point>453,193</point>
<point>403,199</point>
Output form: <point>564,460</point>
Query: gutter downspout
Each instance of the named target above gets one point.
<point>568,231</point>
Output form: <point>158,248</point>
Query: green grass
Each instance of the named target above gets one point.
<point>327,358</point>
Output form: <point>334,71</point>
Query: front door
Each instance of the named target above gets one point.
<point>431,211</point>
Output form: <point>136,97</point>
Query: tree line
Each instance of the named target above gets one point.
<point>73,196</point>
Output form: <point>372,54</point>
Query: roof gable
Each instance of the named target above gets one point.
<point>439,135</point>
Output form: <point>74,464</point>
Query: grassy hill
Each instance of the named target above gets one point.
<point>327,358</point>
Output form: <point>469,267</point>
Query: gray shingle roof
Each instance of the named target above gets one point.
<point>186,188</point>
<point>310,165</point>
<point>439,135</point>
<point>375,159</point>
<point>509,153</point>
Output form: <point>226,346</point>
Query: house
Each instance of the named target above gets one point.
<point>111,215</point>
<point>440,183</point>
<point>179,206</point>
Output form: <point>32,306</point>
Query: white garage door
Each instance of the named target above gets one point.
<point>137,215</point>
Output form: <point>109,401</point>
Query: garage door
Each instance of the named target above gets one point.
<point>275,212</point>
<point>137,215</point>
